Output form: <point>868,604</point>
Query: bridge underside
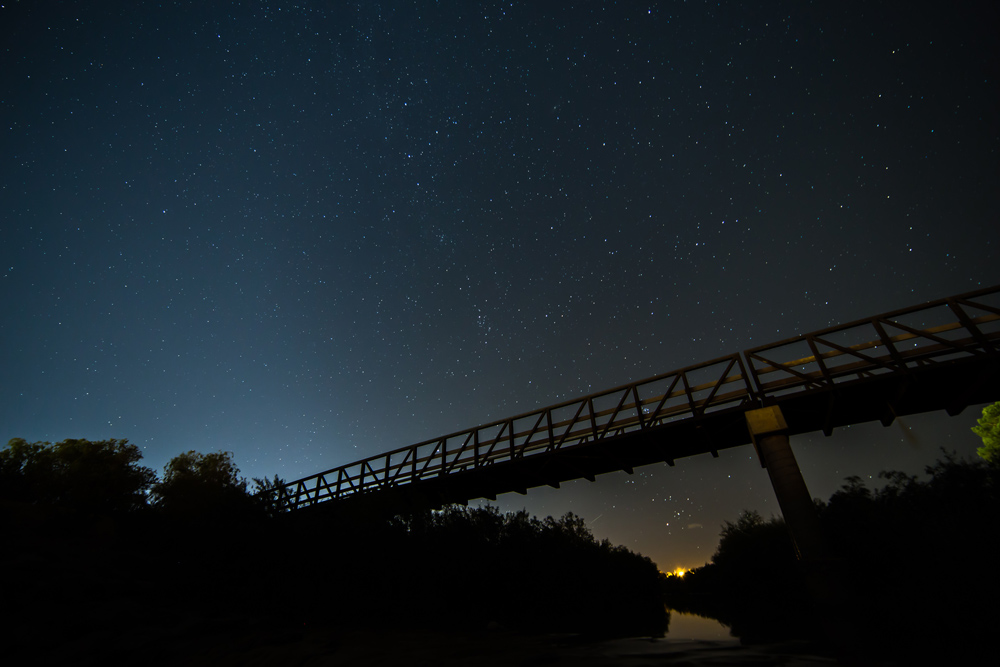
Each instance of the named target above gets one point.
<point>881,397</point>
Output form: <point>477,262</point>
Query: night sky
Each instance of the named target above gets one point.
<point>309,233</point>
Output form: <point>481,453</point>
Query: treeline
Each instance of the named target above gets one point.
<point>526,573</point>
<point>105,479</point>
<point>93,533</point>
<point>911,567</point>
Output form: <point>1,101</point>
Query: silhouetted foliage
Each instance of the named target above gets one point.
<point>752,541</point>
<point>914,545</point>
<point>751,583</point>
<point>202,486</point>
<point>531,573</point>
<point>909,561</point>
<point>102,477</point>
<point>211,548</point>
<point>265,494</point>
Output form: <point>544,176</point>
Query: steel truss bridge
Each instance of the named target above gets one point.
<point>940,355</point>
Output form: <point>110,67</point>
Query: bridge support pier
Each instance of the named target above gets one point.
<point>769,433</point>
<point>770,436</point>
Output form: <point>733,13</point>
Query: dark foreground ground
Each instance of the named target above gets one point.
<point>223,642</point>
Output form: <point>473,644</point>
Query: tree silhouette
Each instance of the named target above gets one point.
<point>196,484</point>
<point>752,584</point>
<point>102,477</point>
<point>265,494</point>
<point>900,549</point>
<point>527,573</point>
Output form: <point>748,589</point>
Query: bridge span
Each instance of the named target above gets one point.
<point>939,355</point>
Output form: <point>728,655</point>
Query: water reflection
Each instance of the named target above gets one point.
<point>691,626</point>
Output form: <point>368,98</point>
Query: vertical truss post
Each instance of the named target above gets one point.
<point>475,447</point>
<point>638,408</point>
<point>510,435</point>
<point>593,418</point>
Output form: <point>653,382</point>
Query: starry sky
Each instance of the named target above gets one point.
<point>307,233</point>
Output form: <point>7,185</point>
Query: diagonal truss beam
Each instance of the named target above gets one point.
<point>863,348</point>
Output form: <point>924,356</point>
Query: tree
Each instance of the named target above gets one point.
<point>752,541</point>
<point>989,431</point>
<point>201,484</point>
<point>753,583</point>
<point>266,494</point>
<point>102,477</point>
<point>513,568</point>
<point>24,467</point>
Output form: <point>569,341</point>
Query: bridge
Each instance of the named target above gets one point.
<point>939,355</point>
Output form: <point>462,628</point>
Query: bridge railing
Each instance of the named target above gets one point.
<point>683,394</point>
<point>967,325</point>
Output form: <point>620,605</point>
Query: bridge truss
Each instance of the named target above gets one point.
<point>937,355</point>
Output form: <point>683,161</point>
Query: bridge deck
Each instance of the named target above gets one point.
<point>933,356</point>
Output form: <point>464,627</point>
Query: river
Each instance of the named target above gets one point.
<point>690,626</point>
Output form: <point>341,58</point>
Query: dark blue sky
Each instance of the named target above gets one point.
<point>309,233</point>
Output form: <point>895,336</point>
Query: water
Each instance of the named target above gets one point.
<point>689,626</point>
